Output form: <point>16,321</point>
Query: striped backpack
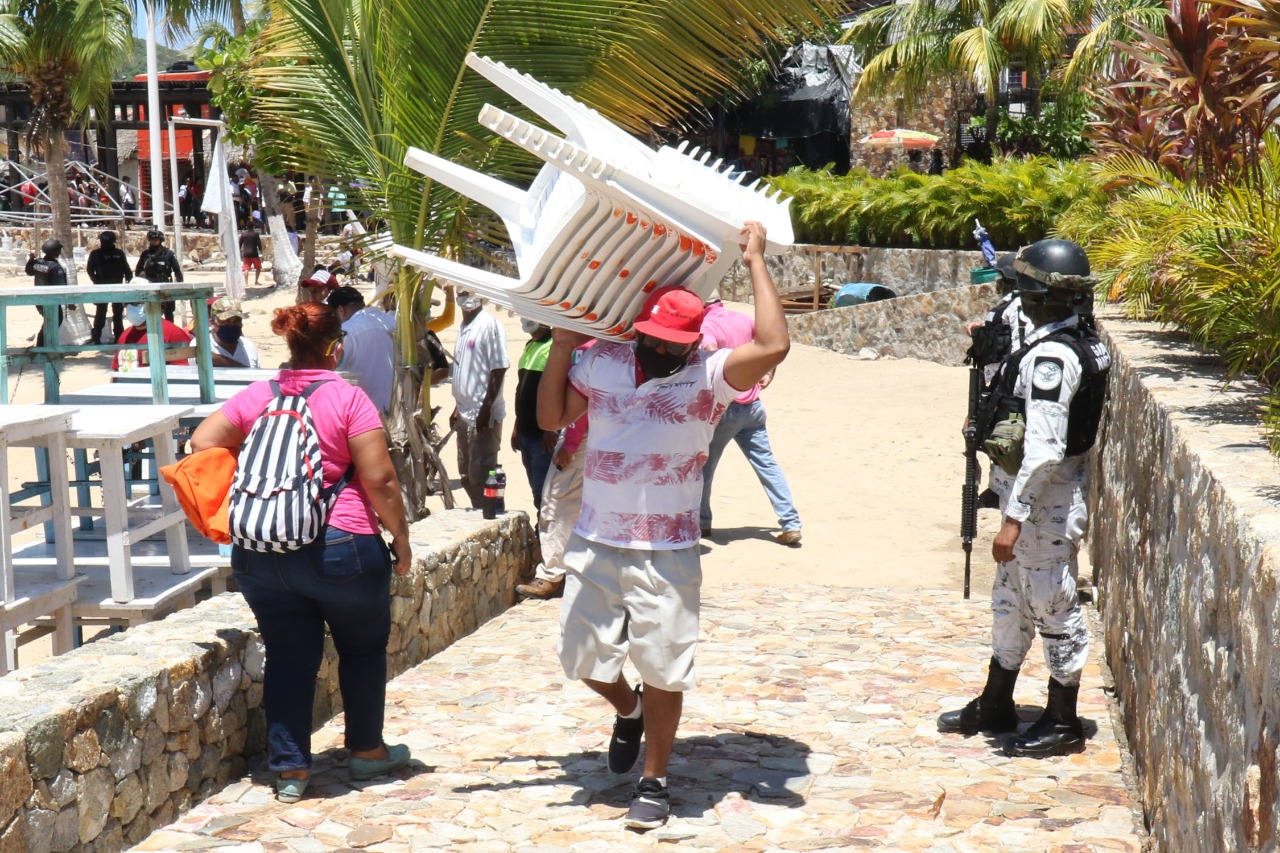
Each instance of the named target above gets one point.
<point>278,499</point>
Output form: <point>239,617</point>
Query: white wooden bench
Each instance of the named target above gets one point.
<point>24,600</point>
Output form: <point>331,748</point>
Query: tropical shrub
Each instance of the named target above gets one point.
<point>1017,200</point>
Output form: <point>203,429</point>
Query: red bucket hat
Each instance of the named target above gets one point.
<point>672,314</point>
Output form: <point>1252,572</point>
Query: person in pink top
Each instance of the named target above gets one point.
<point>343,579</point>
<point>744,423</point>
<point>633,575</point>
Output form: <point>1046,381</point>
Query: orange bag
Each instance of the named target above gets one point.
<point>202,482</point>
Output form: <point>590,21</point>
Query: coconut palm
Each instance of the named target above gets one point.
<point>350,84</point>
<point>65,50</point>
<point>911,44</point>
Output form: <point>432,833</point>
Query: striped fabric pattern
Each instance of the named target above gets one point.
<point>278,500</point>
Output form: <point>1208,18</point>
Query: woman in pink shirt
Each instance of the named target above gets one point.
<point>343,579</point>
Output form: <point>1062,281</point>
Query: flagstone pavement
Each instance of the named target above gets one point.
<point>813,729</point>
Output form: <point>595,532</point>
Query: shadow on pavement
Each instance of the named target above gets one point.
<point>704,770</point>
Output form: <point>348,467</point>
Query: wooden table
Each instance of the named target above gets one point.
<point>182,374</point>
<point>150,295</point>
<point>25,600</point>
<point>108,430</point>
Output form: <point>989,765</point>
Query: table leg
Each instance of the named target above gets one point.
<point>83,490</point>
<point>4,355</point>
<point>64,634</point>
<point>60,495</point>
<point>204,351</point>
<point>42,474</point>
<point>156,354</point>
<point>8,641</point>
<point>115,513</point>
<point>176,536</point>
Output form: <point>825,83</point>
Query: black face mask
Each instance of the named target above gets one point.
<point>659,365</point>
<point>229,335</point>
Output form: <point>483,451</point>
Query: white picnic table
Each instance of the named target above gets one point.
<point>24,600</point>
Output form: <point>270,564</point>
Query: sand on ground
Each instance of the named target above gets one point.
<point>871,451</point>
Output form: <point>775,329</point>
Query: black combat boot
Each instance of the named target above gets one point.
<point>1057,731</point>
<point>993,711</point>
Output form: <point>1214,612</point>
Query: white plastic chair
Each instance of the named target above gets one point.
<point>607,220</point>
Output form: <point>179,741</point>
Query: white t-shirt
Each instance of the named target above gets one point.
<point>646,447</point>
<point>368,355</point>
<point>246,352</point>
<point>481,349</point>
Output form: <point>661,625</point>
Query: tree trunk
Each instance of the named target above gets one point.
<point>993,116</point>
<point>286,268</point>
<point>237,18</point>
<point>313,228</point>
<point>55,160</point>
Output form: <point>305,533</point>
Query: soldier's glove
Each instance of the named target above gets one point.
<point>1005,444</point>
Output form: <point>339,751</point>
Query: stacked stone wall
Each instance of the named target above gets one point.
<point>928,326</point>
<point>904,271</point>
<point>1185,544</point>
<point>100,746</point>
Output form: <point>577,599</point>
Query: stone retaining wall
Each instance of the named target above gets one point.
<point>929,326</point>
<point>905,271</point>
<point>1185,545</point>
<point>101,745</point>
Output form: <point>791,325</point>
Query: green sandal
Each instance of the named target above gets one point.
<point>290,790</point>
<point>369,768</point>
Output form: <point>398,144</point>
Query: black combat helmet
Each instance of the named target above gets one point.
<point>155,234</point>
<point>51,247</point>
<point>107,237</point>
<point>1053,265</point>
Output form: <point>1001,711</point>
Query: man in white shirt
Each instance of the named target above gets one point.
<point>633,578</point>
<point>230,347</point>
<point>479,365</point>
<point>367,351</point>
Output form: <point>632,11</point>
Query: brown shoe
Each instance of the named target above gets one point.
<point>541,588</point>
<point>789,537</point>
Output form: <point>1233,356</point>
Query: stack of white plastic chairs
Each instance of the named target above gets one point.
<point>607,221</point>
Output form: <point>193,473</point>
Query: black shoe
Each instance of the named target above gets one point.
<point>624,746</point>
<point>650,805</point>
<point>1058,731</point>
<point>993,711</point>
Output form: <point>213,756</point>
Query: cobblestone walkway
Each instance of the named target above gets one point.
<point>813,730</point>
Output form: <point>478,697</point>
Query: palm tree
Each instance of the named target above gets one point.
<point>914,43</point>
<point>350,84</point>
<point>65,50</point>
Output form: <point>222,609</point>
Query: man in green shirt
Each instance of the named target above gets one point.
<point>534,444</point>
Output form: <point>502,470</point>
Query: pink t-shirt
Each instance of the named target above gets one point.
<point>642,476</point>
<point>725,329</point>
<point>340,412</point>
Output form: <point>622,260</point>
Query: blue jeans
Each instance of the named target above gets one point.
<point>744,423</point>
<point>537,462</point>
<point>344,581</point>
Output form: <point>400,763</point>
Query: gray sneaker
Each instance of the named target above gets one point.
<point>650,805</point>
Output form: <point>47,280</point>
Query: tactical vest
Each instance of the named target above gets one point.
<point>157,266</point>
<point>1085,412</point>
<point>993,340</point>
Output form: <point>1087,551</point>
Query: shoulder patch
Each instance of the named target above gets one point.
<point>1046,378</point>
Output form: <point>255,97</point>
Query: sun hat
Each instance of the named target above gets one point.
<point>671,314</point>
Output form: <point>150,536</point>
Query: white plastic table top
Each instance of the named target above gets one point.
<point>185,374</point>
<point>93,425</point>
<point>137,393</point>
<point>23,421</point>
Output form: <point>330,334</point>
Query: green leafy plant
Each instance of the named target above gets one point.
<point>1018,200</point>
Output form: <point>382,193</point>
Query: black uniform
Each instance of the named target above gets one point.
<point>48,273</point>
<point>160,265</point>
<point>108,265</point>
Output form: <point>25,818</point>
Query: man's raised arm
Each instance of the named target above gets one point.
<point>748,364</point>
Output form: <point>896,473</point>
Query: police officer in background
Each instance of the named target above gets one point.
<point>107,264</point>
<point>1001,332</point>
<point>1049,396</point>
<point>158,264</point>
<point>48,272</point>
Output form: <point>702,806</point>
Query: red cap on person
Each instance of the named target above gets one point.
<point>672,314</point>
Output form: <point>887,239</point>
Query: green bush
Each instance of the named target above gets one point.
<point>1206,259</point>
<point>1018,200</point>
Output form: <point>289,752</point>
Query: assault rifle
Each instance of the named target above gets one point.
<point>969,492</point>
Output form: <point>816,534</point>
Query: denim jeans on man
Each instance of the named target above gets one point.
<point>537,462</point>
<point>745,424</point>
<point>343,581</point>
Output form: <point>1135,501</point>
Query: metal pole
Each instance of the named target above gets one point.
<point>153,120</point>
<point>173,186</point>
